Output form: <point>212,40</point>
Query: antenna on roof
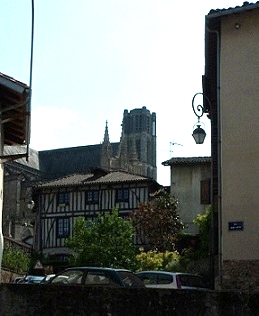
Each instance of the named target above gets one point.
<point>171,146</point>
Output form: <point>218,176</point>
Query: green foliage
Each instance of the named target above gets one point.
<point>105,242</point>
<point>204,223</point>
<point>154,260</point>
<point>157,222</point>
<point>194,257</point>
<point>15,259</point>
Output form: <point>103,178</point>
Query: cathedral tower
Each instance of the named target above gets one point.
<point>139,127</point>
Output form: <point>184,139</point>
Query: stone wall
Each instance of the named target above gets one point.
<point>8,275</point>
<point>240,274</point>
<point>41,300</point>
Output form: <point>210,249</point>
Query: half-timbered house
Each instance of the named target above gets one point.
<point>59,202</point>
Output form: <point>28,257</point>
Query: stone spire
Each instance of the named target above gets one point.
<point>106,150</point>
<point>122,151</point>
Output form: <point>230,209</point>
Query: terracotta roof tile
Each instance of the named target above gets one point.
<point>233,10</point>
<point>90,178</point>
<point>186,160</point>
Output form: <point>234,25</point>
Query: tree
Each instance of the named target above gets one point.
<point>108,241</point>
<point>157,222</point>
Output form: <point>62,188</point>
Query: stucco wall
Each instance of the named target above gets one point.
<point>185,186</point>
<point>239,115</point>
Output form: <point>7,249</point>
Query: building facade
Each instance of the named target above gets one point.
<point>14,129</point>
<point>59,202</point>
<point>190,184</point>
<point>231,84</point>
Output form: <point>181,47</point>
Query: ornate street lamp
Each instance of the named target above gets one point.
<point>199,133</point>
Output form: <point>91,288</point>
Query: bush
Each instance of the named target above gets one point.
<point>15,259</point>
<point>154,260</point>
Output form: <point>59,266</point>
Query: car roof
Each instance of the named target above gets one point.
<point>167,272</point>
<point>97,268</point>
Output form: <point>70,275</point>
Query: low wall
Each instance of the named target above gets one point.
<point>31,300</point>
<point>8,275</point>
<point>240,274</point>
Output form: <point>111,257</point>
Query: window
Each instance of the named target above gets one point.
<point>148,278</point>
<point>122,195</point>
<point>92,197</point>
<point>72,276</point>
<point>129,279</point>
<point>97,278</point>
<point>165,279</point>
<point>63,198</point>
<point>63,227</point>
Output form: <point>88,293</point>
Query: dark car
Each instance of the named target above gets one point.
<point>97,276</point>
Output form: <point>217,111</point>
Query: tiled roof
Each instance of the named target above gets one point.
<point>246,6</point>
<point>186,161</point>
<point>90,178</point>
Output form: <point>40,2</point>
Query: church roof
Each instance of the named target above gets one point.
<point>59,162</point>
<point>63,161</point>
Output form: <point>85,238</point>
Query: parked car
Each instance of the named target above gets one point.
<point>97,276</point>
<point>17,279</point>
<point>31,279</point>
<point>47,278</point>
<point>171,280</point>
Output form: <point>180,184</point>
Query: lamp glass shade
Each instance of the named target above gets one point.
<point>31,204</point>
<point>199,135</point>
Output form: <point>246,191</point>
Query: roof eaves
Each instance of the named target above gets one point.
<point>13,84</point>
<point>186,161</point>
<point>76,180</point>
<point>215,13</point>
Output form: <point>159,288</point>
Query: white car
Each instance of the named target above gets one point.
<point>171,280</point>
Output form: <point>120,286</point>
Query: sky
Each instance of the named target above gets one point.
<point>94,58</point>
